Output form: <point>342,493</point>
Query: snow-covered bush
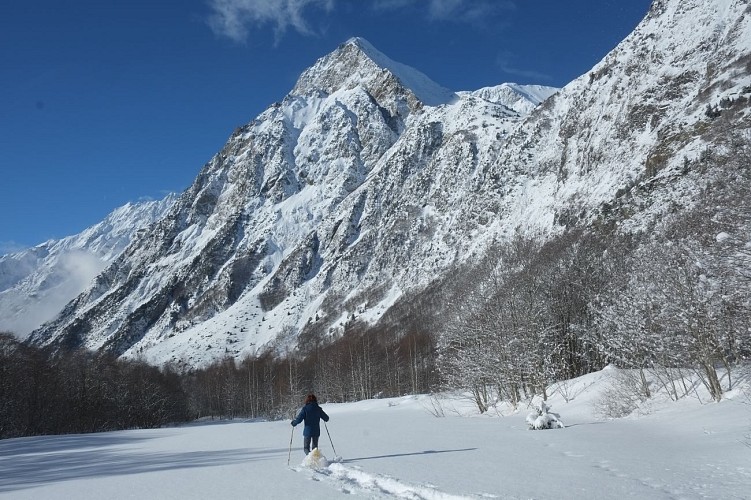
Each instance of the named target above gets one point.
<point>627,391</point>
<point>542,418</point>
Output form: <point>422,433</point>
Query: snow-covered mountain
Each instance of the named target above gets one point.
<point>621,139</point>
<point>521,98</point>
<point>368,182</point>
<point>35,284</point>
<point>330,203</point>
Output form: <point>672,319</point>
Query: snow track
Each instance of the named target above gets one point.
<point>353,480</point>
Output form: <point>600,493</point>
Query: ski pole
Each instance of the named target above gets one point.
<point>289,456</point>
<point>330,441</point>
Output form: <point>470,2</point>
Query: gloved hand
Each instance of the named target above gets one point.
<point>293,423</point>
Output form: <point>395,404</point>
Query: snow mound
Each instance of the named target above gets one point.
<point>542,418</point>
<point>315,460</point>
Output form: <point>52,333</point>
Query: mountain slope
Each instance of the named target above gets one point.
<point>308,204</point>
<point>35,284</point>
<point>353,193</point>
<point>622,134</point>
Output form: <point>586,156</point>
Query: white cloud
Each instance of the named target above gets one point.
<point>22,313</point>
<point>452,10</point>
<point>504,60</point>
<point>443,9</point>
<point>235,18</point>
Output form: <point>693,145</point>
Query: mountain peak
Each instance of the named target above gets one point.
<point>358,62</point>
<point>364,46</point>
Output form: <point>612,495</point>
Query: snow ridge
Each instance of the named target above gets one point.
<point>303,204</point>
<point>353,481</point>
<point>357,63</point>
<point>521,98</point>
<point>424,88</point>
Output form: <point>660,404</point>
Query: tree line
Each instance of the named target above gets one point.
<point>46,392</point>
<point>361,364</point>
<point>42,392</point>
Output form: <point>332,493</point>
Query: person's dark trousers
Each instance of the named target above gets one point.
<point>306,443</point>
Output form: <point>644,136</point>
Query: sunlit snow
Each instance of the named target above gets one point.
<point>399,448</point>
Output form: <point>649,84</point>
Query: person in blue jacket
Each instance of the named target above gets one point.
<point>312,414</point>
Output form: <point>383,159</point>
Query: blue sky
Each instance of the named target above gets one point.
<point>105,102</point>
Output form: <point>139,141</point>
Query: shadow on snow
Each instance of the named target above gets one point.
<point>397,455</point>
<point>36,461</point>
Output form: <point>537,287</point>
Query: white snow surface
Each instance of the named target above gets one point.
<point>397,448</point>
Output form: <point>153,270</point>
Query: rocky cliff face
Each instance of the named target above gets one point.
<point>369,181</point>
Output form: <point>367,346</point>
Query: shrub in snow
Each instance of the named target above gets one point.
<point>626,393</point>
<point>542,418</point>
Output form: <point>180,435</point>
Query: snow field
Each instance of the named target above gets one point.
<point>396,448</point>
